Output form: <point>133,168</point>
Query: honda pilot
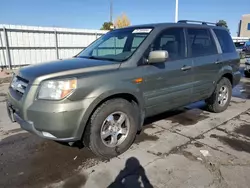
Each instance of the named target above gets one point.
<point>102,95</point>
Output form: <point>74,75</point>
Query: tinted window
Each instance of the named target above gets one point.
<point>225,41</point>
<point>171,40</point>
<point>200,42</point>
<point>112,46</point>
<point>248,26</point>
<point>137,40</point>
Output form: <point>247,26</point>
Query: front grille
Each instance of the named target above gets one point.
<point>19,85</point>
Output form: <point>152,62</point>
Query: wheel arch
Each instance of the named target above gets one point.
<point>226,72</point>
<point>229,76</point>
<point>132,97</point>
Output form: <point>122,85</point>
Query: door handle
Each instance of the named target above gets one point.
<point>184,68</point>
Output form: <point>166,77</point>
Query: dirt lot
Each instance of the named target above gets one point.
<point>186,148</point>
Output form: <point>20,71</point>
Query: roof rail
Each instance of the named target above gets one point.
<point>202,22</point>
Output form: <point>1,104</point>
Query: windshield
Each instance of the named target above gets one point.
<point>117,45</point>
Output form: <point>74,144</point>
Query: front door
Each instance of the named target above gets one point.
<point>169,84</point>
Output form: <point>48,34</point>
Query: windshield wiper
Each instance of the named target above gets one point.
<point>99,58</point>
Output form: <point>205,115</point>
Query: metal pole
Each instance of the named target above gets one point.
<point>176,10</point>
<point>111,11</point>
<point>56,45</point>
<point>1,42</point>
<point>7,47</point>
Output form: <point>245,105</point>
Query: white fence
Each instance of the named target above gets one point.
<point>24,45</point>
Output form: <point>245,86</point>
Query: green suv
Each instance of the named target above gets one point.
<point>102,95</point>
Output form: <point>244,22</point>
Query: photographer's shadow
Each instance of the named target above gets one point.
<point>133,175</point>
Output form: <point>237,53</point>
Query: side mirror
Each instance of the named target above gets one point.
<point>158,56</point>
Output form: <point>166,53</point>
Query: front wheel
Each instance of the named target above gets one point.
<point>112,128</point>
<point>220,99</point>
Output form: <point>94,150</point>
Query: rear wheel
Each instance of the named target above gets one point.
<point>112,128</point>
<point>220,99</point>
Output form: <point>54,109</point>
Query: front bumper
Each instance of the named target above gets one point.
<point>59,121</point>
<point>29,126</point>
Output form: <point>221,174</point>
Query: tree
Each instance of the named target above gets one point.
<point>106,26</point>
<point>222,23</point>
<point>122,21</point>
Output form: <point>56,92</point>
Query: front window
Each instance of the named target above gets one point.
<point>117,45</point>
<point>173,41</point>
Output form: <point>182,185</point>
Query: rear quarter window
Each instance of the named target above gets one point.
<point>225,41</point>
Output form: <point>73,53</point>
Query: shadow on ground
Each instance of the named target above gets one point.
<point>133,175</point>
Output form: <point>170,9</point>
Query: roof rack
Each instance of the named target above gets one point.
<point>202,22</point>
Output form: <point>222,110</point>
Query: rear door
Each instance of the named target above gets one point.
<point>203,50</point>
<point>169,84</point>
<point>229,55</point>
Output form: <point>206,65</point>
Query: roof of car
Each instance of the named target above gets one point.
<point>172,24</point>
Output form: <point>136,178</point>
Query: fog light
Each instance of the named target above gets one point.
<point>48,135</point>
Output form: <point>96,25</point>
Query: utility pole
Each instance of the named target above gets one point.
<point>111,11</point>
<point>176,10</point>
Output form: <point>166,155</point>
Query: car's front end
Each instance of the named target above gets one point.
<point>54,100</point>
<point>44,99</point>
<point>44,109</point>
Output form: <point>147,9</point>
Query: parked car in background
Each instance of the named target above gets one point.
<point>246,49</point>
<point>102,95</point>
<point>247,68</point>
<point>239,48</point>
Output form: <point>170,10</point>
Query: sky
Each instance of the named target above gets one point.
<point>90,14</point>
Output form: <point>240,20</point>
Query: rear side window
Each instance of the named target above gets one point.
<point>200,42</point>
<point>225,40</point>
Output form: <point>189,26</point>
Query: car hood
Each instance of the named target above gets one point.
<point>32,72</point>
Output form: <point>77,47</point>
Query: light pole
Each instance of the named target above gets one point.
<point>111,11</point>
<point>176,10</point>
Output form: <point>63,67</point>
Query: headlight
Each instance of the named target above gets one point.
<point>56,89</point>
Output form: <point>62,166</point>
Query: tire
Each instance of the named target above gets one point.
<point>92,136</point>
<point>247,74</point>
<point>213,103</point>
